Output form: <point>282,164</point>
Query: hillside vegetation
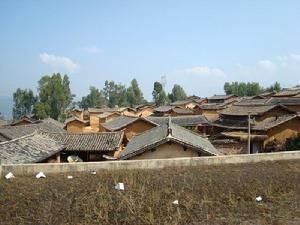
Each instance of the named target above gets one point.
<point>223,194</point>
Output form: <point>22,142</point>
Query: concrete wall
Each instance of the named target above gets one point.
<point>31,169</point>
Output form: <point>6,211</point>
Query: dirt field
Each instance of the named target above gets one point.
<point>207,195</point>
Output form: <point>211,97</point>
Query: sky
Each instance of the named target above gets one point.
<point>197,44</point>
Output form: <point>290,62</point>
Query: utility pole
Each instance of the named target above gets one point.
<point>249,138</point>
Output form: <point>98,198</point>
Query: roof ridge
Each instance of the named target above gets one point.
<point>19,138</point>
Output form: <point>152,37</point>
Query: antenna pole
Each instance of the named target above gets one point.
<point>249,130</point>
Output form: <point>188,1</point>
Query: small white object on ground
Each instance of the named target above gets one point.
<point>93,172</point>
<point>119,186</point>
<point>9,176</point>
<point>70,177</point>
<point>258,199</point>
<point>176,202</point>
<point>40,175</point>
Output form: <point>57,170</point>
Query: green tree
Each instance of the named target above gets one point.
<point>177,93</point>
<point>42,110</point>
<point>94,99</point>
<point>134,94</point>
<point>243,89</point>
<point>23,102</point>
<point>159,95</point>
<point>115,94</point>
<point>55,94</point>
<point>275,87</point>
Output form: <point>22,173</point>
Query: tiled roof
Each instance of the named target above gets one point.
<point>31,148</point>
<point>181,102</point>
<point>189,120</point>
<point>104,141</point>
<point>264,125</point>
<point>167,133</point>
<point>122,122</point>
<point>288,92</point>
<point>243,110</point>
<point>220,97</point>
<point>107,114</point>
<point>169,108</point>
<point>3,123</point>
<point>69,120</point>
<point>286,101</point>
<point>252,102</point>
<point>12,132</point>
<point>273,122</point>
<point>212,106</point>
<point>100,110</point>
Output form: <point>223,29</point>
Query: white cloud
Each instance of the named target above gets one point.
<point>91,50</point>
<point>59,63</point>
<point>267,65</point>
<point>204,70</point>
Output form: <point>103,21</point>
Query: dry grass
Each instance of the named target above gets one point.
<point>222,194</point>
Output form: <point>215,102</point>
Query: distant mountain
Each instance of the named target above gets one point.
<point>6,105</point>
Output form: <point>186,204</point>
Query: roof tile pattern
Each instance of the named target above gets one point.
<point>12,132</point>
<point>159,135</point>
<point>106,141</point>
<point>189,120</point>
<point>29,149</point>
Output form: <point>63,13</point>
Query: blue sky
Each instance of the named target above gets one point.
<point>197,44</point>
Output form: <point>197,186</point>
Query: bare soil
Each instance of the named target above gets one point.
<point>223,194</point>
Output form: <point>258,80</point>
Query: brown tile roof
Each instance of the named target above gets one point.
<point>122,122</point>
<point>104,141</point>
<point>167,133</point>
<point>31,148</point>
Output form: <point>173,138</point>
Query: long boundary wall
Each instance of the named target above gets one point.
<point>29,169</point>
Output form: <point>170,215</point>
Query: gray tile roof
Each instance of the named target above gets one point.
<point>122,122</point>
<point>104,141</point>
<point>31,148</point>
<point>100,110</point>
<point>71,119</point>
<point>3,123</point>
<point>189,120</point>
<point>288,92</point>
<point>169,108</point>
<point>243,110</point>
<point>12,132</point>
<point>273,122</point>
<point>160,135</point>
<point>107,114</point>
<point>220,97</point>
<point>286,101</point>
<point>181,102</point>
<point>213,106</point>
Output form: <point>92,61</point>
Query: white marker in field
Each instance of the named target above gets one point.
<point>120,186</point>
<point>258,199</point>
<point>40,175</point>
<point>10,175</point>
